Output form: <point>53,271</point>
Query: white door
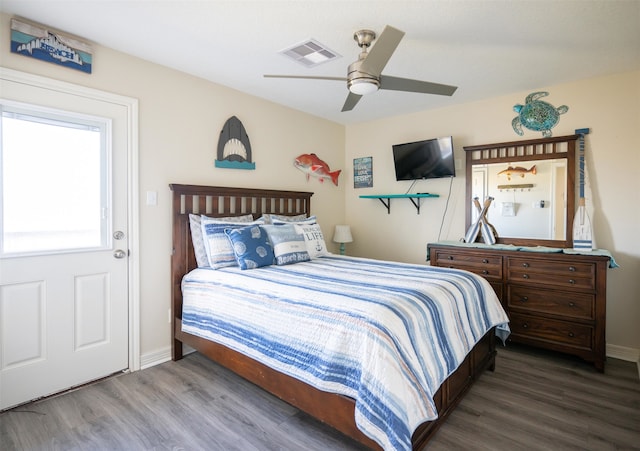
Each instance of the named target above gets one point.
<point>63,241</point>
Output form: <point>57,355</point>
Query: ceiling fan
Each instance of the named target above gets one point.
<point>364,76</point>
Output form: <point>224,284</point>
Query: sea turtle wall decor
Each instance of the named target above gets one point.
<point>537,115</point>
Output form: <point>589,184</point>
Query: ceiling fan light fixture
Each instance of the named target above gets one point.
<point>362,86</point>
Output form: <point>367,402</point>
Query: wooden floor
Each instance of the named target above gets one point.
<point>533,401</point>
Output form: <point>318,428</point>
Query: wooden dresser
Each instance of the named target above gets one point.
<point>554,300</point>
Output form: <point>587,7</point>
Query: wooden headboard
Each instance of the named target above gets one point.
<point>218,201</point>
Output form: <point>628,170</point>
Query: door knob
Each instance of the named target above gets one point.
<point>119,253</point>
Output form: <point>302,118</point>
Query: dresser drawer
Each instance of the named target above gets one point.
<point>559,273</point>
<point>531,328</point>
<point>563,303</point>
<point>554,300</point>
<point>490,267</point>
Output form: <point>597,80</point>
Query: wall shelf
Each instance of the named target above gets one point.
<point>386,199</point>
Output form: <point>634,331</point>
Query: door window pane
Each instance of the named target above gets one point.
<point>54,180</point>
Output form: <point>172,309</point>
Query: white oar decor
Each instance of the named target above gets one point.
<point>481,225</point>
<point>582,232</point>
<point>486,229</point>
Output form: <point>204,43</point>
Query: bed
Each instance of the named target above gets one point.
<point>341,409</point>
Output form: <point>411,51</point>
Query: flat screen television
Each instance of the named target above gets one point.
<point>428,159</point>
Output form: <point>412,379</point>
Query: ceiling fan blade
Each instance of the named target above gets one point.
<point>309,77</point>
<point>352,100</point>
<point>424,87</point>
<point>382,50</point>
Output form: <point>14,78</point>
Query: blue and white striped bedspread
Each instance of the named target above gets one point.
<point>386,334</point>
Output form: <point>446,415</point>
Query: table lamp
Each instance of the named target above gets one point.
<point>342,235</point>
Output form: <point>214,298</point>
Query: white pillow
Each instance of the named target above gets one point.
<point>284,218</point>
<point>217,244</point>
<point>313,238</point>
<point>300,219</point>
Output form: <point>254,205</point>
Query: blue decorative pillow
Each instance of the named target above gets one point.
<point>251,247</point>
<point>288,245</point>
<point>216,242</point>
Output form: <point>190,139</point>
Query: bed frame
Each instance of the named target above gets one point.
<point>332,409</point>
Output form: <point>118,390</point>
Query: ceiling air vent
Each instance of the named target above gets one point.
<point>310,53</point>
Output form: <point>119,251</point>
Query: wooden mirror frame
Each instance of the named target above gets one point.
<point>529,150</point>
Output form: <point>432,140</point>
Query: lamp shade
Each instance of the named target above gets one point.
<point>342,234</point>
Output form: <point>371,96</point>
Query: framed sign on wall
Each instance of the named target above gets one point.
<point>363,172</point>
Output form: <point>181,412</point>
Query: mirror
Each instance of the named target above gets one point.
<point>532,186</point>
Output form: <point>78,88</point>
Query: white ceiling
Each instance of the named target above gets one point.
<point>486,48</point>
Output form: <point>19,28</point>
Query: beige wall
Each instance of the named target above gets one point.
<point>608,106</point>
<point>180,120</point>
<point>181,116</point>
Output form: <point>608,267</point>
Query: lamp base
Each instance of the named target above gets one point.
<point>342,248</point>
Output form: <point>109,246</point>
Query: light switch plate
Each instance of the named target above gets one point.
<point>152,198</point>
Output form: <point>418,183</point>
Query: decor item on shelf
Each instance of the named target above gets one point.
<point>582,233</point>
<point>311,165</point>
<point>234,148</point>
<point>342,235</point>
<point>518,171</point>
<point>537,115</point>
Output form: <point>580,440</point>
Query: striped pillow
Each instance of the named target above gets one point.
<point>195,225</point>
<point>216,242</point>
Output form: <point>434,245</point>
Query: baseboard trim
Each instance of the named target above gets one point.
<point>623,353</point>
<point>155,358</point>
<point>626,354</point>
<point>161,356</point>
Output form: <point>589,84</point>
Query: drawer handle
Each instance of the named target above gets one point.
<point>525,265</point>
<point>572,304</point>
<point>571,281</point>
<point>571,334</point>
<point>485,272</point>
<point>484,260</point>
<point>525,326</point>
<point>450,257</point>
<point>524,299</point>
<point>572,268</point>
<point>525,276</point>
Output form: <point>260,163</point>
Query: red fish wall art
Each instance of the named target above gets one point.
<point>312,166</point>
